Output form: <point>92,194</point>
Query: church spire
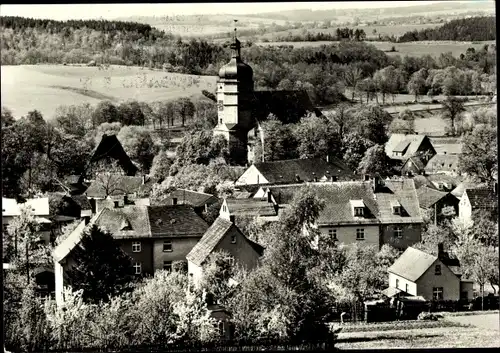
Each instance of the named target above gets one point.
<point>236,45</point>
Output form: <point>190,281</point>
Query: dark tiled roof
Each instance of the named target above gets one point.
<point>459,190</point>
<point>482,198</point>
<point>412,264</point>
<point>401,142</point>
<point>402,191</point>
<point>111,147</point>
<point>112,220</point>
<point>427,197</point>
<point>421,181</point>
<point>202,250</point>
<point>117,185</point>
<point>242,194</point>
<point>251,207</point>
<point>285,171</point>
<point>175,221</point>
<point>82,201</point>
<point>442,163</point>
<point>417,162</point>
<point>338,197</point>
<point>193,198</point>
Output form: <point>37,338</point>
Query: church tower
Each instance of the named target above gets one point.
<point>234,104</point>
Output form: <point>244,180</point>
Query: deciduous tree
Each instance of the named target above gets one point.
<point>479,157</point>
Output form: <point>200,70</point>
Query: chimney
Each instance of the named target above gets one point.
<point>440,251</point>
<point>174,200</point>
<point>231,219</point>
<point>376,182</point>
<point>269,197</point>
<point>86,220</point>
<point>143,179</point>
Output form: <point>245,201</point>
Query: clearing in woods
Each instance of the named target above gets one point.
<point>45,87</point>
<point>433,48</point>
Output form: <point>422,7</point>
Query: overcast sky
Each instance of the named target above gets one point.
<point>110,11</point>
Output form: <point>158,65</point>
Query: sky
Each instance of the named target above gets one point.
<point>110,11</point>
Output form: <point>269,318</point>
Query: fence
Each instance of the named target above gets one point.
<point>354,312</point>
<point>221,346</point>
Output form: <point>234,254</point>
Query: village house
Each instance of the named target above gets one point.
<point>442,205</point>
<point>443,163</point>
<point>434,278</point>
<point>223,235</point>
<point>375,212</point>
<point>293,171</point>
<point>262,209</point>
<point>479,199</point>
<point>40,209</point>
<point>404,146</point>
<point>153,236</point>
<point>198,200</point>
<point>110,149</point>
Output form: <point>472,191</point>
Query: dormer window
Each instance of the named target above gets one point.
<point>396,208</point>
<point>358,207</point>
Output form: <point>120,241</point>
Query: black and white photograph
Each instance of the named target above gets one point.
<point>249,176</point>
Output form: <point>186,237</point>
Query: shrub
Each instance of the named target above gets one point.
<point>427,316</point>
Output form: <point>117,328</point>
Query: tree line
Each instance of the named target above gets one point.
<point>340,34</point>
<point>464,29</point>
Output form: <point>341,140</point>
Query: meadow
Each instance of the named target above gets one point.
<point>456,332</point>
<point>45,87</point>
<point>433,48</point>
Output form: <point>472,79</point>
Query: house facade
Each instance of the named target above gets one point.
<point>441,205</point>
<point>404,146</point>
<point>223,235</point>
<point>418,273</point>
<point>478,199</point>
<point>375,212</point>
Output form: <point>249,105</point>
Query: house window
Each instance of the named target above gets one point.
<point>437,293</point>
<point>233,239</point>
<point>167,265</point>
<point>437,270</point>
<point>396,210</point>
<point>397,283</point>
<point>358,211</point>
<point>167,245</point>
<point>360,234</point>
<point>398,232</point>
<point>332,232</point>
<point>137,268</point>
<point>407,288</point>
<point>136,246</point>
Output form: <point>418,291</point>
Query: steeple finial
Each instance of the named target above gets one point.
<point>235,29</point>
<point>236,45</point>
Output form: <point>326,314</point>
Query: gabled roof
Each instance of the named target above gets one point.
<point>112,220</point>
<point>67,245</point>
<point>111,147</point>
<point>378,205</point>
<point>38,206</point>
<point>286,171</point>
<point>193,198</point>
<point>442,163</point>
<point>427,197</point>
<point>212,237</point>
<point>421,181</point>
<point>459,190</point>
<point>409,144</point>
<point>417,162</point>
<point>82,201</point>
<point>115,185</point>
<point>412,264</point>
<point>482,198</point>
<point>251,207</point>
<point>403,191</point>
<point>175,221</point>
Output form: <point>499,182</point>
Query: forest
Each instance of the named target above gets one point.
<point>465,29</point>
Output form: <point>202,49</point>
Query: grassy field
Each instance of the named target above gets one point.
<point>45,87</point>
<point>470,332</point>
<point>434,48</point>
